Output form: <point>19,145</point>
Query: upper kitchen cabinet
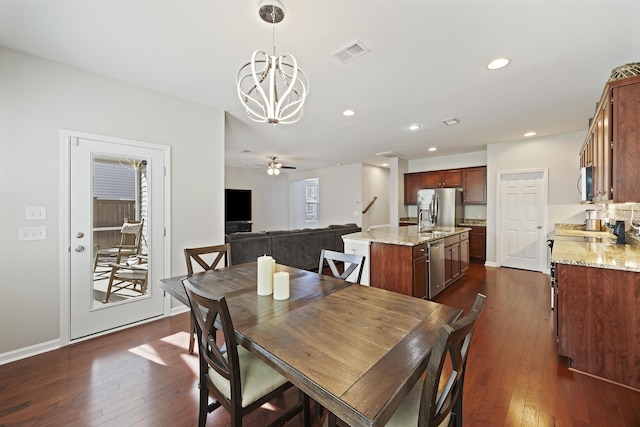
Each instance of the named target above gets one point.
<point>612,145</point>
<point>434,179</point>
<point>474,185</point>
<point>412,183</point>
<point>472,180</point>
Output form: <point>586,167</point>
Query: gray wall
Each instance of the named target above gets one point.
<point>37,99</point>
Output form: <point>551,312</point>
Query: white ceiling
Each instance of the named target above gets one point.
<point>427,63</point>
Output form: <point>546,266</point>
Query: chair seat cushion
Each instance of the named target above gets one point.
<point>407,414</point>
<point>257,378</point>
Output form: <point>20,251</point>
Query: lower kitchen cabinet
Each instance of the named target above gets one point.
<point>399,268</point>
<point>478,244</point>
<point>464,253</point>
<point>451,259</point>
<point>597,321</point>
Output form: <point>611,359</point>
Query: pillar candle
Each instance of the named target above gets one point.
<point>265,275</point>
<point>281,285</point>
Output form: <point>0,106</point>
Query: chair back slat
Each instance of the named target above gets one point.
<point>195,254</point>
<point>453,342</point>
<point>211,313</point>
<point>349,262</point>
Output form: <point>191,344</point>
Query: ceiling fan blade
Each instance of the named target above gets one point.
<point>287,167</point>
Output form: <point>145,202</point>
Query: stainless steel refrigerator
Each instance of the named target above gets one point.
<point>440,207</point>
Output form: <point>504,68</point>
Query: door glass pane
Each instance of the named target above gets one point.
<point>120,223</point>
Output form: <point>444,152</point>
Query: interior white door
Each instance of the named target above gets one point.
<point>522,220</point>
<point>88,314</point>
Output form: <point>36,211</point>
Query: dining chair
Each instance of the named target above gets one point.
<point>236,379</point>
<point>342,265</point>
<point>130,243</point>
<point>218,253</point>
<point>426,405</point>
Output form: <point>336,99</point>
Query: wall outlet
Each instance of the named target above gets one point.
<point>36,212</point>
<point>32,233</point>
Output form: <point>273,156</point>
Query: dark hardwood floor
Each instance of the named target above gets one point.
<point>143,376</point>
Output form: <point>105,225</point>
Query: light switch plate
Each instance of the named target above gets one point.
<point>32,233</point>
<point>36,212</point>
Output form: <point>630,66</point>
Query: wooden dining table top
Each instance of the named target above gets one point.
<point>357,350</point>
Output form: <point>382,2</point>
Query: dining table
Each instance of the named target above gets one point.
<point>356,350</point>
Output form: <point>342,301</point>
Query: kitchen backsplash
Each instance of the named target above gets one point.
<point>622,212</point>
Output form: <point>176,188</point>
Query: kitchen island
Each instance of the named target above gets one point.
<point>402,260</point>
<point>597,291</point>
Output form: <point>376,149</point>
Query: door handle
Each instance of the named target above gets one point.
<point>79,234</point>
<point>539,227</point>
<point>79,248</point>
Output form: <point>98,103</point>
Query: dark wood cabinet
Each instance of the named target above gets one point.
<point>472,180</point>
<point>412,183</point>
<point>464,253</point>
<point>612,145</point>
<point>420,271</point>
<point>597,322</point>
<point>474,185</point>
<point>478,244</point>
<point>452,265</point>
<point>399,268</point>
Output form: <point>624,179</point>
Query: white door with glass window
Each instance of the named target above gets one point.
<point>522,219</point>
<point>114,184</point>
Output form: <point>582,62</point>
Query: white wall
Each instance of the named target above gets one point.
<point>340,193</point>
<point>375,183</point>
<point>37,99</point>
<point>269,196</point>
<point>559,154</point>
<point>432,163</point>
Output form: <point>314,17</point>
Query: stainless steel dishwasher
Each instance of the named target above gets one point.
<point>436,267</point>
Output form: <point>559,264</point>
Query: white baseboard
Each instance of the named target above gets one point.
<point>23,353</point>
<point>178,310</point>
<point>490,264</point>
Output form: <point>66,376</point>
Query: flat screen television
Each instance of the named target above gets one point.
<point>237,205</point>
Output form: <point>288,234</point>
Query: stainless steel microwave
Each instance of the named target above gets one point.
<point>586,186</point>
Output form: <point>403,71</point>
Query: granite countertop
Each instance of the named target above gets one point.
<point>472,222</point>
<point>406,235</point>
<point>602,252</point>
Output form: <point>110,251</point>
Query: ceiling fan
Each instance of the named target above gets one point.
<point>273,167</point>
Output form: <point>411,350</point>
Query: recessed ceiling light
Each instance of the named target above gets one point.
<point>385,165</point>
<point>432,149</point>
<point>348,113</point>
<point>530,134</point>
<point>498,63</point>
<point>451,121</point>
<point>414,127</point>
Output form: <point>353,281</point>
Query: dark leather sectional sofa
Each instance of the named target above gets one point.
<point>295,248</point>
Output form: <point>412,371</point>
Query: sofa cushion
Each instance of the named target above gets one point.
<point>247,248</point>
<point>302,249</point>
<point>246,235</point>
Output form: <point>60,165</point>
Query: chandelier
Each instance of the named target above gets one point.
<point>272,88</point>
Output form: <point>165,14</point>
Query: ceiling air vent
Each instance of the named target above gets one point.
<point>388,154</point>
<point>350,52</point>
